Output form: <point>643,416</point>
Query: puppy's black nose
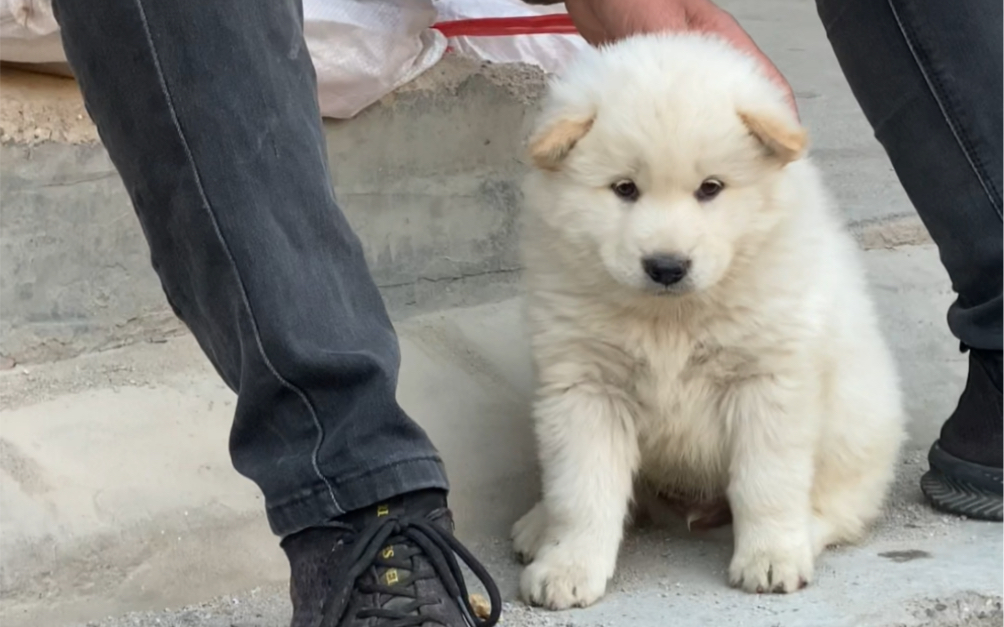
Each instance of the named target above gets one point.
<point>666,269</point>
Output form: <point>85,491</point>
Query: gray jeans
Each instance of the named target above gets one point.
<point>208,110</point>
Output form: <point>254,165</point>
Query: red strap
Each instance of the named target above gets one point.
<point>550,24</point>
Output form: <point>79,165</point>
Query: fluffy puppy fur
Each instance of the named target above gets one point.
<point>699,322</point>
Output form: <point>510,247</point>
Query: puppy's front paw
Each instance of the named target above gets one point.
<point>528,533</point>
<point>561,578</point>
<point>772,565</point>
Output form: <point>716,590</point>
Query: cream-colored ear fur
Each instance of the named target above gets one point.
<point>782,139</point>
<point>550,145</point>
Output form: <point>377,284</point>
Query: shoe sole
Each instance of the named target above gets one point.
<point>959,487</point>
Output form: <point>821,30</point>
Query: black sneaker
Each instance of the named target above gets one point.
<point>391,565</point>
<point>965,474</point>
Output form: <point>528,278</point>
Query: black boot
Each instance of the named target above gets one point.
<point>965,474</point>
<point>391,565</point>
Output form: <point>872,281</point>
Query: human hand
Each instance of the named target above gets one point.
<point>603,21</point>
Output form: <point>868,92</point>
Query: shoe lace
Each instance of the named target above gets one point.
<point>418,536</point>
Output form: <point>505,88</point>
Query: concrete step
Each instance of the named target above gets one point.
<point>432,191</point>
<point>117,493</point>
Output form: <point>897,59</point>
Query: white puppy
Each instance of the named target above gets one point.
<point>699,321</point>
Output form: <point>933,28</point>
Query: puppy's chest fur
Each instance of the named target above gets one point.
<point>679,385</point>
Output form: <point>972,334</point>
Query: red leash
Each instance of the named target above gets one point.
<point>551,24</point>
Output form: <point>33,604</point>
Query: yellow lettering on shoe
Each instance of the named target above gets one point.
<point>383,510</point>
<point>390,576</point>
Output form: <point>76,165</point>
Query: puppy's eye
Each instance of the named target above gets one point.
<point>709,189</point>
<point>626,190</point>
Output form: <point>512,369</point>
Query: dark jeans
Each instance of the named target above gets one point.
<point>927,74</point>
<point>208,110</point>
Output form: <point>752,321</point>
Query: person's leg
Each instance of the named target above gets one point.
<point>209,112</point>
<point>928,76</point>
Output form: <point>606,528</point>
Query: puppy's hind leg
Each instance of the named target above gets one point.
<point>850,487</point>
<point>863,435</point>
<point>589,454</point>
<point>842,513</point>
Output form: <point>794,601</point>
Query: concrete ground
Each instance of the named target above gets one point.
<point>123,498</point>
<point>117,498</point>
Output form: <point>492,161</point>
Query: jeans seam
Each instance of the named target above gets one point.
<point>932,84</point>
<point>245,301</point>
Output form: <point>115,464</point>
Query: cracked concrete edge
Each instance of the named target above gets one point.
<point>891,232</point>
<point>36,108</point>
<point>37,348</point>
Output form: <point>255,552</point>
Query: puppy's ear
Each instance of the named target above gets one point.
<point>553,141</point>
<point>783,140</point>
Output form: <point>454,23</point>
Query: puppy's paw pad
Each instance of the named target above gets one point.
<point>528,533</point>
<point>558,584</point>
<point>772,570</point>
